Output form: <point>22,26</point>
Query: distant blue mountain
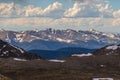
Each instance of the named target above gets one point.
<point>61,53</point>
<point>76,50</point>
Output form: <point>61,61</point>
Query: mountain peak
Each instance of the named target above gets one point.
<point>36,30</point>
<point>94,31</point>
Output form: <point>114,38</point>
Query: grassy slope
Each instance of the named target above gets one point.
<point>73,69</point>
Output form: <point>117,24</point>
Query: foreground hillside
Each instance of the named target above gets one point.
<point>74,68</point>
<point>8,50</point>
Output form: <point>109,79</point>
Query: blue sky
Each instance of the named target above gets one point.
<point>44,3</point>
<point>102,15</point>
<point>115,4</point>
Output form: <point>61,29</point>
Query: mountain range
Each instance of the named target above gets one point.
<point>50,39</point>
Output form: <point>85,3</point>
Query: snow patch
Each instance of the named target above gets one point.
<point>94,31</point>
<point>19,37</point>
<point>102,79</point>
<point>96,37</point>
<point>55,60</point>
<point>114,47</point>
<point>101,65</point>
<point>22,51</point>
<point>63,40</point>
<point>82,55</point>
<point>18,59</point>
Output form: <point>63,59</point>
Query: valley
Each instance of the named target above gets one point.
<point>102,63</point>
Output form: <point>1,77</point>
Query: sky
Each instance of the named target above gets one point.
<point>101,15</point>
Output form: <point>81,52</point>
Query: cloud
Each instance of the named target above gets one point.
<point>84,14</point>
<point>11,10</point>
<point>31,11</point>
<point>81,9</point>
<point>54,10</point>
<point>116,22</point>
<point>116,14</point>
<point>5,10</point>
<point>105,10</point>
<point>105,24</point>
<point>90,8</point>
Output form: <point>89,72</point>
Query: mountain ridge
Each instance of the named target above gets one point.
<point>108,50</point>
<point>10,51</point>
<point>51,39</point>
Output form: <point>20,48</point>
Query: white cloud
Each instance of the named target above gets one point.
<point>53,7</point>
<point>116,22</point>
<point>16,10</point>
<point>6,10</point>
<point>54,10</point>
<point>116,14</point>
<point>81,9</point>
<point>89,8</point>
<point>72,12</point>
<point>106,24</point>
<point>30,11</point>
<point>105,10</point>
<point>85,14</point>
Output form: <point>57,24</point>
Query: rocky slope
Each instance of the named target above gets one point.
<point>7,51</point>
<point>108,50</point>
